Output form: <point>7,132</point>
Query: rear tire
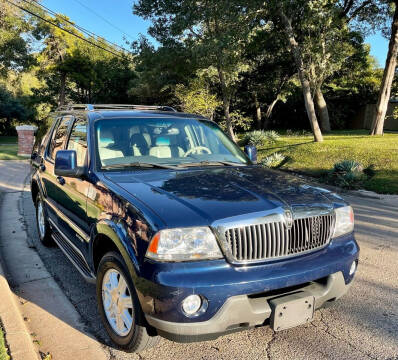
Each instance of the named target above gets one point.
<point>43,227</point>
<point>119,306</point>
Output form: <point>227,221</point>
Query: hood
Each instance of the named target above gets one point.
<point>194,197</point>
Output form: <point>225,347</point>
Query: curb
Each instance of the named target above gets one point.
<point>313,180</point>
<point>17,337</point>
<point>54,324</point>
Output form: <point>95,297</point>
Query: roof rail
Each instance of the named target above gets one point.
<point>91,107</point>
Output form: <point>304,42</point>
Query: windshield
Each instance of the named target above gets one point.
<point>163,141</point>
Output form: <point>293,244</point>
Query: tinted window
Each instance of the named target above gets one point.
<point>173,141</point>
<point>78,140</point>
<point>58,137</point>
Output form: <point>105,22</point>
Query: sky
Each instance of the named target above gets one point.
<point>114,19</point>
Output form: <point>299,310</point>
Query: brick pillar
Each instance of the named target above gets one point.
<point>26,139</point>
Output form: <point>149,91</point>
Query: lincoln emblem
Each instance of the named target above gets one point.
<point>288,219</point>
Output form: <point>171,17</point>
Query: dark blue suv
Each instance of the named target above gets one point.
<point>183,235</point>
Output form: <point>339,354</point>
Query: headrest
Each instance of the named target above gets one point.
<point>162,141</point>
<point>105,134</point>
<point>105,137</point>
<point>137,139</point>
<point>134,130</point>
<point>173,131</point>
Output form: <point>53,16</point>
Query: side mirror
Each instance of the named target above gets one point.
<point>66,164</point>
<point>251,152</point>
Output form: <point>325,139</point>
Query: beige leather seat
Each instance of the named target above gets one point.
<point>166,147</point>
<point>105,142</point>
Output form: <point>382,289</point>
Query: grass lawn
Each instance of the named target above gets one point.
<point>314,159</point>
<point>3,349</point>
<point>9,152</point>
<point>8,139</point>
<point>9,148</point>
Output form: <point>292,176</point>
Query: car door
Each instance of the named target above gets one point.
<point>52,187</point>
<point>75,190</point>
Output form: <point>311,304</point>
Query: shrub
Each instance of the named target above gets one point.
<point>272,136</point>
<point>347,166</point>
<point>260,137</point>
<point>349,174</point>
<point>256,138</point>
<point>290,132</point>
<point>273,161</point>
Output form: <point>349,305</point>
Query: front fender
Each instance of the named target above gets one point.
<point>116,231</point>
<point>35,179</point>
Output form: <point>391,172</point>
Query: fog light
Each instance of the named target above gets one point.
<point>191,304</point>
<point>353,268</point>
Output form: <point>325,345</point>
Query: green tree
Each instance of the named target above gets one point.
<point>159,70</point>
<point>14,47</point>
<point>197,98</point>
<point>388,76</point>
<point>10,109</point>
<point>269,75</point>
<point>59,47</point>
<point>215,31</point>
<point>290,16</point>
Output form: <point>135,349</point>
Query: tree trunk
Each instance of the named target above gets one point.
<point>322,110</point>
<point>269,112</point>
<point>61,99</point>
<point>305,84</point>
<point>225,103</point>
<point>258,110</point>
<point>388,77</point>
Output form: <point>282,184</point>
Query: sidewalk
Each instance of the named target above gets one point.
<point>53,322</point>
<point>17,334</point>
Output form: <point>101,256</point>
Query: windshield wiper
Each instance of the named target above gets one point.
<point>211,163</point>
<point>139,164</point>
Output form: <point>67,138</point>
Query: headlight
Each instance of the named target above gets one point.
<point>184,244</point>
<point>344,221</point>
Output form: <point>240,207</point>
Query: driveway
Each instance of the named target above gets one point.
<point>362,325</point>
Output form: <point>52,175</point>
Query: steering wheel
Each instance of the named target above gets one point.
<point>196,149</point>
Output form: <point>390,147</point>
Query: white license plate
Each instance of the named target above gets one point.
<point>291,310</point>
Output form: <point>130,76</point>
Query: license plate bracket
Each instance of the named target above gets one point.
<point>291,310</point>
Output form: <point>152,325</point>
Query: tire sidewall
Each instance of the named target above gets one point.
<point>114,261</point>
<point>45,238</point>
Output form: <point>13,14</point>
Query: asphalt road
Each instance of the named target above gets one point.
<point>361,325</point>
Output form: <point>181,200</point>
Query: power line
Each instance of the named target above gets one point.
<point>82,29</point>
<point>104,19</point>
<point>65,30</point>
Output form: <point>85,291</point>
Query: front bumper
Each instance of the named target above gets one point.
<point>228,288</point>
<point>242,311</point>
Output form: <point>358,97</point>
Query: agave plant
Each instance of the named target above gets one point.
<point>348,174</point>
<point>348,166</point>
<point>273,161</point>
<point>256,138</point>
<point>272,136</point>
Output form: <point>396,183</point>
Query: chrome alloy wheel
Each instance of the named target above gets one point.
<point>41,220</point>
<point>117,301</point>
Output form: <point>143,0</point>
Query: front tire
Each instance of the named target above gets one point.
<point>43,227</point>
<point>119,307</point>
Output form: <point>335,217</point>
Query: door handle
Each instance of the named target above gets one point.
<point>61,180</point>
<point>42,167</point>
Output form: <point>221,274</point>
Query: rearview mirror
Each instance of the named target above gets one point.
<point>66,164</point>
<point>251,152</point>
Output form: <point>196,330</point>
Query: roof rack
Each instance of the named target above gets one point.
<point>91,107</point>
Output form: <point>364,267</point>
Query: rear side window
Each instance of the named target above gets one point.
<point>78,140</point>
<point>58,137</point>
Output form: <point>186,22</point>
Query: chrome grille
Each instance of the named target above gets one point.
<point>273,240</point>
